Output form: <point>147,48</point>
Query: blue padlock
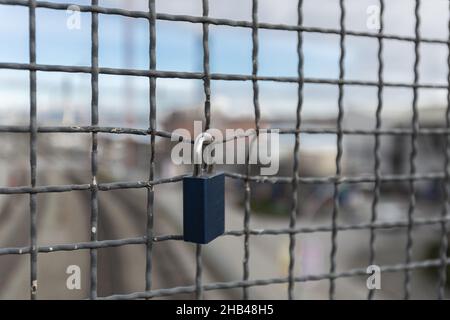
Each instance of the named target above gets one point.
<point>203,199</point>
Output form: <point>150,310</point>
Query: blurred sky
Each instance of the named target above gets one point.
<point>179,49</point>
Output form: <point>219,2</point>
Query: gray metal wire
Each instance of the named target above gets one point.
<point>247,186</point>
<point>94,151</point>
<point>237,233</point>
<point>339,151</point>
<point>376,151</point>
<point>446,191</point>
<point>213,76</point>
<point>152,127</point>
<point>296,165</point>
<point>413,155</point>
<point>33,151</point>
<point>293,230</point>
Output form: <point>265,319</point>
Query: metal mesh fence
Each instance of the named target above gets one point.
<point>293,229</point>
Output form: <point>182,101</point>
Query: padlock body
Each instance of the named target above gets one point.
<point>203,207</point>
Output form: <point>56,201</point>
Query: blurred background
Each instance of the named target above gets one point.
<point>63,99</point>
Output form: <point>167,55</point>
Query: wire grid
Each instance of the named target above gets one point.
<point>295,180</point>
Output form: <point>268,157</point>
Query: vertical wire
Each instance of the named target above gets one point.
<point>246,235</point>
<point>339,152</point>
<point>33,150</point>
<point>255,49</point>
<point>247,192</point>
<point>207,110</point>
<point>198,272</point>
<point>152,125</point>
<point>445,189</point>
<point>293,217</point>
<point>94,162</point>
<point>206,67</point>
<point>415,128</point>
<point>377,154</point>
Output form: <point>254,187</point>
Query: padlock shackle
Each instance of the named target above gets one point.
<point>200,140</point>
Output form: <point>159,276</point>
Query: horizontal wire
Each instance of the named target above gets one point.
<point>80,187</point>
<point>263,282</point>
<point>175,137</point>
<point>236,233</point>
<point>96,129</point>
<point>218,21</point>
<point>258,179</point>
<point>213,76</point>
<point>340,179</point>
